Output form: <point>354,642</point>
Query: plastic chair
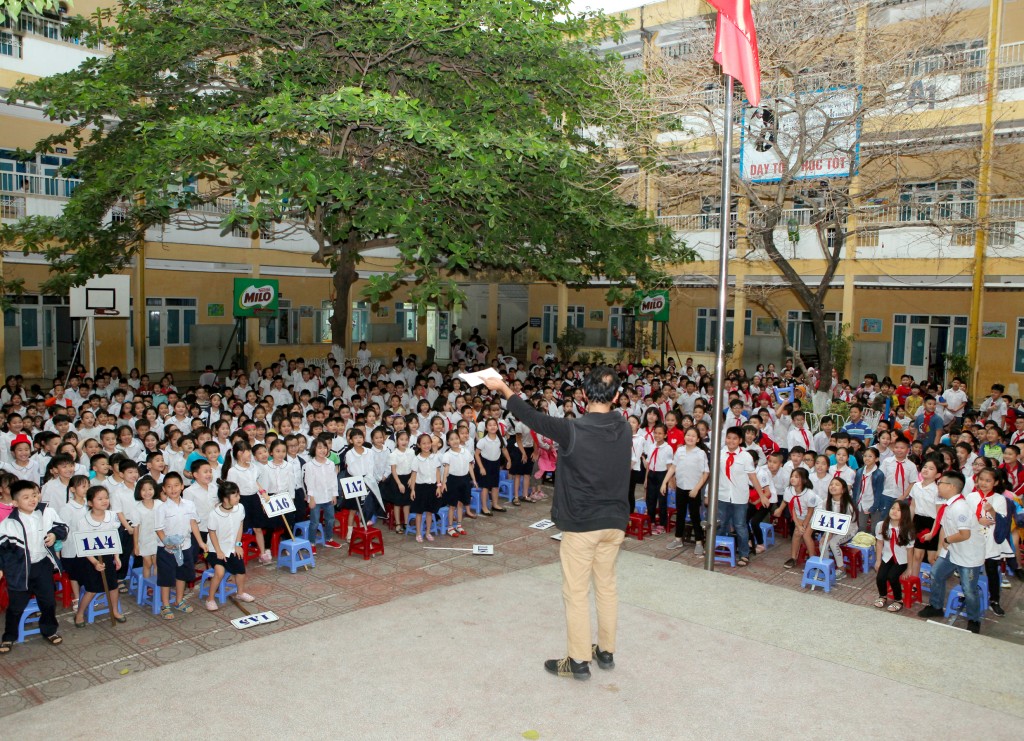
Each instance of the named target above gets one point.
<point>926,577</point>
<point>768,534</point>
<point>955,599</point>
<point>295,553</point>
<point>671,499</point>
<point>725,550</point>
<point>503,476</point>
<point>147,592</point>
<point>250,549</point>
<point>301,530</point>
<point>98,607</point>
<point>474,501</point>
<point>505,490</point>
<point>62,589</point>
<point>641,507</point>
<point>366,542</point>
<point>224,590</point>
<point>781,525</point>
<point>867,555</point>
<point>639,525</point>
<point>31,615</point>
<point>435,525</point>
<point>819,572</point>
<point>853,561</point>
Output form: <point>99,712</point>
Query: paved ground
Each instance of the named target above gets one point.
<point>487,607</point>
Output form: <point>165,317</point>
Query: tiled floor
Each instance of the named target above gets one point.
<point>35,672</point>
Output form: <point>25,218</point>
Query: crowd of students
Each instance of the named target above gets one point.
<point>181,474</point>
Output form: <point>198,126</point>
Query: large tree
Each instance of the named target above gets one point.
<point>458,132</point>
<point>884,98</point>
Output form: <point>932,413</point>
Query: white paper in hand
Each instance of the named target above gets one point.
<point>476,379</point>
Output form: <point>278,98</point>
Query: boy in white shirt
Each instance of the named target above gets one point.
<point>736,478</point>
<point>900,472</point>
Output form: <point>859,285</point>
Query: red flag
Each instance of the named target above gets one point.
<point>736,45</point>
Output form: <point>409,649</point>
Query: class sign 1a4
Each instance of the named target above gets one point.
<point>654,305</point>
<point>255,296</point>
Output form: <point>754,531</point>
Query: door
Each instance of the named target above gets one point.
<point>155,329</point>
<point>917,351</point>
<point>360,323</point>
<point>49,341</point>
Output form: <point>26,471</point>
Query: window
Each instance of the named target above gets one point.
<point>181,317</point>
<point>27,312</point>
<point>1018,357</point>
<point>800,330</point>
<point>322,332</point>
<point>945,200</point>
<point>707,328</point>
<point>948,333</point>
<point>621,327</point>
<point>405,317</point>
<point>360,321</point>
<point>10,45</point>
<point>549,323</point>
<point>281,328</point>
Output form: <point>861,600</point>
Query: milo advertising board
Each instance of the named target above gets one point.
<point>653,305</point>
<point>255,296</point>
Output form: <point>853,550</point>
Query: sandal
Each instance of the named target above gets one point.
<point>55,639</point>
<point>419,538</point>
<point>452,533</point>
<point>743,561</point>
<point>880,602</point>
<point>122,588</point>
<point>430,537</point>
<point>459,528</point>
<point>895,606</point>
<point>184,607</point>
<point>515,502</point>
<point>6,646</point>
<point>165,613</point>
<point>499,509</point>
<point>80,624</point>
<point>487,514</point>
<point>121,619</point>
<point>470,515</point>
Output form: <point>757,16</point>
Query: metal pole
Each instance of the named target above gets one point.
<point>984,188</point>
<point>723,288</point>
<point>92,346</point>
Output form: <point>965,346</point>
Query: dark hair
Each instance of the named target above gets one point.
<point>956,478</point>
<point>173,475</point>
<point>845,502</point>
<point>146,480</point>
<point>225,489</point>
<point>93,491</point>
<point>238,447</point>
<point>19,486</point>
<point>906,533</point>
<point>601,385</point>
<point>805,478</point>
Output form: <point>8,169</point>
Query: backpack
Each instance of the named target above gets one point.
<point>1002,528</point>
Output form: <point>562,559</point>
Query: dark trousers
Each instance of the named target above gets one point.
<point>635,477</point>
<point>890,571</point>
<point>657,503</point>
<point>127,548</point>
<point>992,574</point>
<point>755,517</point>
<point>684,503</point>
<point>40,585</point>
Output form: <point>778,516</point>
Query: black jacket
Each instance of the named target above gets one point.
<point>592,480</point>
<point>14,558</point>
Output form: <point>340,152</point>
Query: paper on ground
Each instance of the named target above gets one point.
<point>542,524</point>
<point>475,379</point>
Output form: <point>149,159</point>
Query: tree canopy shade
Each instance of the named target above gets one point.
<point>455,131</point>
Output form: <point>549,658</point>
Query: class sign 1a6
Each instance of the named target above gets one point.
<point>653,305</point>
<point>255,296</point>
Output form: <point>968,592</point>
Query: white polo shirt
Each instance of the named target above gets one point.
<point>177,519</point>
<point>735,487</point>
<point>690,466</point>
<point>458,463</point>
<point>959,515</point>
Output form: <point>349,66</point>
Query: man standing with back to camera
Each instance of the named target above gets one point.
<point>591,508</point>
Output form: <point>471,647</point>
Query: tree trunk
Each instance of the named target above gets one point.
<point>821,343</point>
<point>345,276</point>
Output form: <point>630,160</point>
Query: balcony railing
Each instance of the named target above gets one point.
<point>46,28</point>
<point>37,185</point>
<point>12,207</point>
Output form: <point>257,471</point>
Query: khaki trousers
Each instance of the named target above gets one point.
<point>587,556</point>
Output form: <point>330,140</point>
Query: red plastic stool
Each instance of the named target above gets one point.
<point>62,589</point>
<point>852,560</point>
<point>911,591</point>
<point>275,541</point>
<point>802,557</point>
<point>639,525</point>
<point>389,516</point>
<point>781,525</point>
<point>340,522</point>
<point>250,550</point>
<point>366,541</point>
<point>671,524</point>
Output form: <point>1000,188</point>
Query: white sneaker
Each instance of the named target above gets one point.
<point>245,597</point>
<point>211,606</point>
<point>698,550</point>
<point>674,544</point>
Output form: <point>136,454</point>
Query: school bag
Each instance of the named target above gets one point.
<point>1002,528</point>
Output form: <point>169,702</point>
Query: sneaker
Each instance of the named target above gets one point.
<point>698,550</point>
<point>332,544</point>
<point>974,626</point>
<point>840,575</point>
<point>245,597</point>
<point>996,608</point>
<point>266,558</point>
<point>604,659</point>
<point>674,544</point>
<point>211,606</point>
<point>790,563</point>
<point>929,612</point>
<point>568,667</point>
<point>399,530</point>
<point>1004,582</point>
<point>460,529</point>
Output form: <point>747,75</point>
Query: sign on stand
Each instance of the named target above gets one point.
<point>831,522</point>
<point>97,543</point>
<point>278,505</point>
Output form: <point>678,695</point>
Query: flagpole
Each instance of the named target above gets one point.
<point>717,410</point>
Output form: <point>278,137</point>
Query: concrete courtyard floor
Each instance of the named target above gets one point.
<point>442,644</point>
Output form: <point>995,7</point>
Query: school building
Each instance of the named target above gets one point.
<point>905,288</point>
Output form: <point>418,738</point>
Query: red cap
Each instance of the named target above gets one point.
<point>19,439</point>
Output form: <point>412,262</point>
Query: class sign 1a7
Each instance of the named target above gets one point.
<point>255,296</point>
<point>653,305</point>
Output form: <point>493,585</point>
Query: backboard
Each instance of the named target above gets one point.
<point>103,297</point>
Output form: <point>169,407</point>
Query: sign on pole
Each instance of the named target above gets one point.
<point>255,296</point>
<point>653,305</point>
<point>353,487</point>
<point>831,522</point>
<point>278,505</point>
<point>97,543</point>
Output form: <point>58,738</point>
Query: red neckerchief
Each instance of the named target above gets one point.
<point>728,465</point>
<point>981,504</point>
<point>941,512</point>
<point>893,532</point>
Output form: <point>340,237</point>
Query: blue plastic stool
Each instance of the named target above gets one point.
<point>955,599</point>
<point>441,521</point>
<point>295,553</point>
<point>31,615</point>
<point>98,607</point>
<point>926,577</point>
<point>502,475</point>
<point>474,501</point>
<point>641,507</point>
<point>725,550</point>
<point>768,534</point>
<point>819,572</point>
<point>301,530</point>
<point>672,499</point>
<point>435,527</point>
<point>146,590</point>
<point>224,590</point>
<point>505,490</point>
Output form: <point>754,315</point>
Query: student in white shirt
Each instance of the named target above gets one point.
<point>176,525</point>
<point>893,539</point>
<point>202,492</point>
<point>425,482</point>
<point>900,472</point>
<point>458,480</point>
<point>224,543</point>
<point>799,434</point>
<point>489,452</point>
<point>801,500</point>
<point>989,504</point>
<point>924,503</point>
<point>758,510</point>
<point>736,478</point>
<point>320,483</point>
<point>658,455</point>
<point>636,466</point>
<point>146,505</point>
<point>689,472</point>
<point>98,574</point>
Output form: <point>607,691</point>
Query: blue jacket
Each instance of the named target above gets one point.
<point>877,484</point>
<point>14,558</point>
